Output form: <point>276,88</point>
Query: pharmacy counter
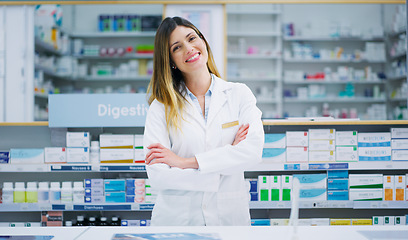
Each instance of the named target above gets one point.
<point>221,233</point>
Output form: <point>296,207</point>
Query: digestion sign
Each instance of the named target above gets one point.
<point>97,110</point>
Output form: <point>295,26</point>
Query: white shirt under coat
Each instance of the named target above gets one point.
<point>216,193</point>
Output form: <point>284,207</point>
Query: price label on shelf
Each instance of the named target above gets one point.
<point>146,206</point>
<point>71,168</point>
<point>126,168</point>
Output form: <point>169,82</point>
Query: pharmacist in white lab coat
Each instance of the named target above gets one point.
<point>201,133</point>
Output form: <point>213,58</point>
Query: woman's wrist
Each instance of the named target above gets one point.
<point>190,163</point>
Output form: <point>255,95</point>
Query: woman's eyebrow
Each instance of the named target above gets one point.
<point>178,42</point>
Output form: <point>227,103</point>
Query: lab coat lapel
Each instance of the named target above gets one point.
<point>191,110</point>
<point>218,99</point>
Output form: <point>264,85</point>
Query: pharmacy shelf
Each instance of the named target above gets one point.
<point>34,207</point>
<point>41,95</point>
<point>268,101</point>
<point>293,60</point>
<point>124,57</point>
<point>43,47</point>
<point>334,100</point>
<point>399,55</point>
<point>254,79</point>
<point>397,78</point>
<point>325,38</point>
<point>116,78</point>
<point>252,56</point>
<point>253,12</point>
<point>400,99</point>
<point>51,73</point>
<point>112,34</point>
<point>254,34</point>
<point>72,168</point>
<point>396,34</point>
<point>303,204</point>
<point>301,82</point>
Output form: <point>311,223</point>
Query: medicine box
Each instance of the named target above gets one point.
<point>399,132</point>
<point>361,221</point>
<point>318,194</point>
<point>320,221</point>
<point>263,188</point>
<point>297,139</point>
<point>400,220</point>
<point>366,194</point>
<point>297,154</point>
<point>336,221</point>
<point>4,156</point>
<point>379,139</point>
<point>112,185</point>
<point>346,138</point>
<point>374,153</point>
<point>399,144</point>
<point>275,183</point>
<point>77,155</point>
<point>94,183</point>
<point>279,222</point>
<point>399,155</point>
<point>336,195</point>
<point>27,155</point>
<point>315,134</point>
<point>122,141</point>
<point>78,139</point>
<point>94,192</point>
<point>287,182</point>
<point>95,199</point>
<point>322,156</point>
<point>312,181</point>
<point>389,188</point>
<point>337,174</point>
<point>399,182</point>
<point>346,154</point>
<point>362,181</point>
<point>275,155</point>
<point>338,184</point>
<point>116,155</point>
<point>115,197</point>
<point>378,220</point>
<point>275,140</point>
<point>389,220</point>
<point>55,155</point>
<point>322,145</point>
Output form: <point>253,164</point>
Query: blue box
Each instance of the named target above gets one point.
<point>115,197</point>
<point>94,182</point>
<point>130,198</point>
<point>260,222</point>
<point>4,157</point>
<point>130,191</point>
<point>337,174</point>
<point>337,184</point>
<point>130,183</point>
<point>254,185</point>
<point>114,185</point>
<point>254,196</point>
<point>333,195</point>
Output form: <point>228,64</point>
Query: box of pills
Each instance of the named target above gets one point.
<point>399,155</point>
<point>55,155</point>
<point>322,145</point>
<point>315,134</point>
<point>115,197</point>
<point>346,154</point>
<point>399,144</point>
<point>297,139</point>
<point>389,186</point>
<point>279,222</point>
<point>264,186</point>
<point>297,154</point>
<point>122,141</point>
<point>378,220</point>
<point>94,183</point>
<point>374,153</point>
<point>94,192</point>
<point>318,194</point>
<point>399,187</point>
<point>312,181</point>
<point>358,181</point>
<point>335,195</point>
<point>337,174</point>
<point>399,132</point>
<point>366,194</point>
<point>400,220</point>
<point>95,199</point>
<point>116,155</point>
<point>4,156</point>
<point>337,184</point>
<point>275,183</point>
<point>344,221</point>
<point>275,155</point>
<point>78,139</point>
<point>378,139</point>
<point>114,185</point>
<point>322,156</point>
<point>27,155</point>
<point>77,155</point>
<point>346,138</point>
<point>361,221</point>
<point>320,221</point>
<point>287,182</point>
<point>275,140</point>
<point>389,220</point>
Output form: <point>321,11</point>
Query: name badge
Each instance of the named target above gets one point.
<point>229,124</point>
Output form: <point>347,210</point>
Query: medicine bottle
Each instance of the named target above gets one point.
<point>115,221</point>
<point>43,192</point>
<point>68,223</point>
<point>66,192</point>
<point>104,221</point>
<point>8,192</point>
<point>31,192</point>
<point>94,152</point>
<point>78,192</point>
<point>55,192</point>
<point>19,192</point>
<point>92,221</point>
<point>80,221</point>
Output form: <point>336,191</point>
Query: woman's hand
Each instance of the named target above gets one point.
<point>241,134</point>
<point>159,154</point>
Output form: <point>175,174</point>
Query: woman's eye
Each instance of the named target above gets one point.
<point>176,48</point>
<point>192,38</point>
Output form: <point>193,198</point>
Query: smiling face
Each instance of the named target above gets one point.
<point>188,51</point>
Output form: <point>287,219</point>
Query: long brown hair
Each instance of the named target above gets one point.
<point>167,84</point>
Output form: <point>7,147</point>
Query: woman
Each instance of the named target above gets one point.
<point>196,152</point>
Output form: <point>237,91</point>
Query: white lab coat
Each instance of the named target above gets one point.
<point>216,193</point>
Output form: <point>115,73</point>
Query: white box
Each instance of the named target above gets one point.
<point>297,139</point>
<point>320,221</point>
<point>388,188</point>
<point>326,134</point>
<point>275,140</point>
<point>366,194</point>
<point>122,141</point>
<point>378,220</point>
<point>274,155</point>
<point>399,155</point>
<point>400,220</point>
<point>77,155</point>
<point>297,154</point>
<point>316,194</point>
<point>399,144</point>
<point>346,154</point>
<point>399,132</point>
<point>322,156</point>
<point>117,155</point>
<point>78,139</point>
<point>374,153</point>
<point>138,141</point>
<point>264,187</point>
<point>377,139</point>
<point>279,222</point>
<point>322,145</point>
<point>389,220</point>
<point>346,138</point>
<point>27,155</point>
<point>312,181</point>
<point>55,155</point>
<point>399,182</point>
<point>366,181</point>
<point>139,156</point>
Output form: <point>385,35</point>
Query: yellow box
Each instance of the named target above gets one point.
<point>341,221</point>
<point>361,221</point>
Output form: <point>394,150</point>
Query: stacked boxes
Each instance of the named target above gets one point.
<point>116,148</point>
<point>312,186</point>
<point>346,146</point>
<point>77,150</point>
<point>272,188</point>
<point>94,190</point>
<point>139,156</point>
<point>337,185</point>
<point>366,187</point>
<point>399,144</point>
<point>115,190</point>
<point>286,187</point>
<point>322,145</point>
<point>374,146</point>
<point>274,148</point>
<point>135,190</point>
<point>253,189</point>
<point>27,155</point>
<point>297,143</point>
